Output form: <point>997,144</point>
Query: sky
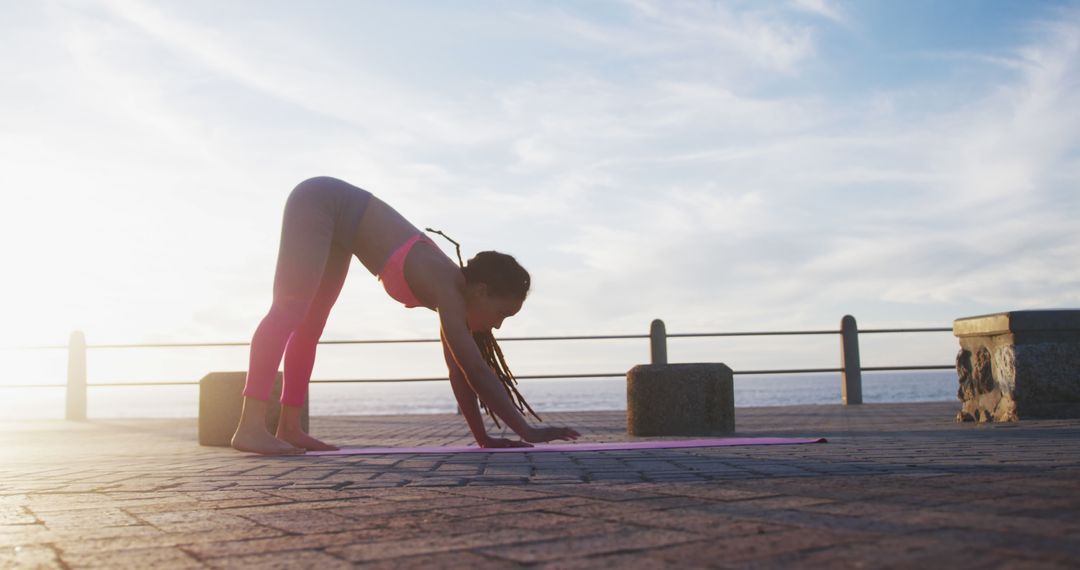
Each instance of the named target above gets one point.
<point>724,166</point>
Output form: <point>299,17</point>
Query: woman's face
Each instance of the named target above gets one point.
<point>485,312</point>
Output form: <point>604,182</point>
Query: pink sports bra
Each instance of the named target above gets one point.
<point>392,273</point>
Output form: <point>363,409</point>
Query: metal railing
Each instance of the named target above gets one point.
<point>850,368</point>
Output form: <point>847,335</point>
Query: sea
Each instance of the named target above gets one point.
<point>435,397</point>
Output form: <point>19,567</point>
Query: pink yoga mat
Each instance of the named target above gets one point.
<point>572,447</point>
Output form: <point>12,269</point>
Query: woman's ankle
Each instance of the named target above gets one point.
<point>289,421</point>
<point>253,414</point>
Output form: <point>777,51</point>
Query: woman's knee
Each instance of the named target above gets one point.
<point>289,311</point>
<point>311,327</point>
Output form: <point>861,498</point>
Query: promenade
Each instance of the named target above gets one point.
<point>896,486</point>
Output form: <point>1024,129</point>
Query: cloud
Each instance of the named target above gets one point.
<point>307,73</point>
<point>823,8</point>
<point>760,38</point>
<point>695,200</point>
<point>643,160</point>
<point>954,209</point>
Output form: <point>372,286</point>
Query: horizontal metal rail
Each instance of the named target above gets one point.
<point>524,377</point>
<point>850,368</point>
<point>904,368</point>
<point>931,329</point>
<point>751,333</point>
<point>501,339</point>
<point>798,371</point>
<point>326,342</point>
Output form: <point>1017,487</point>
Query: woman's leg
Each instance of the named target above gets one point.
<point>300,353</point>
<point>306,241</point>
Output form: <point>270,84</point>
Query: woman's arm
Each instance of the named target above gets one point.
<point>480,379</point>
<point>466,400</point>
<point>465,396</point>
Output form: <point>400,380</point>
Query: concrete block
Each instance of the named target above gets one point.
<point>679,399</point>
<point>220,400</point>
<point>1019,364</point>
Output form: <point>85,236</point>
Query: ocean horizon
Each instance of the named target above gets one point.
<point>435,397</point>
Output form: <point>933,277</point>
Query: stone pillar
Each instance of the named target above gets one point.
<point>851,374</point>
<point>1020,364</point>
<point>679,399</point>
<point>221,397</point>
<point>75,395</point>
<point>658,342</point>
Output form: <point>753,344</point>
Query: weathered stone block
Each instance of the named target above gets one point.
<point>1020,364</point>
<point>220,400</point>
<point>679,399</point>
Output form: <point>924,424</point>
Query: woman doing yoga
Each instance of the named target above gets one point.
<point>326,222</point>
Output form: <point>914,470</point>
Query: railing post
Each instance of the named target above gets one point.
<point>851,375</point>
<point>658,342</point>
<point>76,384</point>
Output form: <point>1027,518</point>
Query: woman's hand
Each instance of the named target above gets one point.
<point>496,442</point>
<point>540,435</point>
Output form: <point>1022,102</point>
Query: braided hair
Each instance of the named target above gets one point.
<point>504,277</point>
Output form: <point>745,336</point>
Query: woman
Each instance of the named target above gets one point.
<point>327,221</point>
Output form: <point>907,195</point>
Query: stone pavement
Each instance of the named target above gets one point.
<point>897,486</point>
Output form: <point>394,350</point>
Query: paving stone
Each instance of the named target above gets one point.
<point>240,548</point>
<point>695,521</point>
<point>631,561</point>
<point>301,521</point>
<point>238,498</point>
<point>708,492</point>
<point>440,561</point>
<point>608,491</point>
<point>855,508</point>
<point>294,560</point>
<point>195,521</point>
<point>157,539</point>
<point>578,546</point>
<point>499,507</point>
<point>38,557</point>
<point>451,469</point>
<point>16,516</point>
<point>555,480</point>
<point>642,507</point>
<point>1029,544</point>
<point>165,558</point>
<point>730,550</point>
<point>897,485</point>
<point>528,519</point>
<point>13,499</point>
<point>620,476</point>
<point>502,493</point>
<point>434,543</point>
<point>84,518</point>
<point>675,478</point>
<point>366,508</point>
<point>42,503</point>
<point>40,534</point>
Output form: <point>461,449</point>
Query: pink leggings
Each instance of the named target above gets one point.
<point>321,219</point>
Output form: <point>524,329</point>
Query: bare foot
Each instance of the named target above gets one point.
<point>260,441</point>
<point>303,440</point>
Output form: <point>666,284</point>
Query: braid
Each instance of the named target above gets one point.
<point>493,356</point>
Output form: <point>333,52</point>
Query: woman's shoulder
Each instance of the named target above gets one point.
<point>441,280</point>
